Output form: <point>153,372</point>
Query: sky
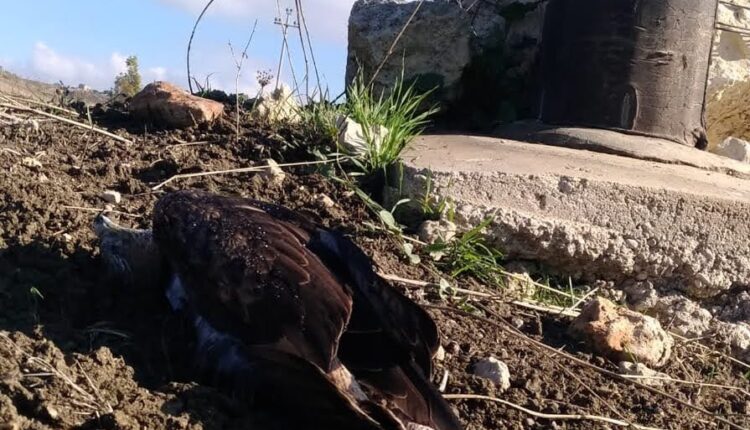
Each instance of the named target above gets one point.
<point>87,41</point>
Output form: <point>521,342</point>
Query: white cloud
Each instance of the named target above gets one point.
<point>325,18</point>
<point>118,63</point>
<point>48,65</point>
<point>155,74</point>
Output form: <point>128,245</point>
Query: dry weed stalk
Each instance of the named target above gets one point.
<point>561,417</point>
<point>24,108</point>
<point>92,400</point>
<point>238,64</point>
<point>190,43</point>
<point>239,170</point>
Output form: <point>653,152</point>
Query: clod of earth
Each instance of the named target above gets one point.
<point>622,334</point>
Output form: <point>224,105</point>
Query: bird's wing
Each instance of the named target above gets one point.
<point>249,274</point>
<point>390,340</point>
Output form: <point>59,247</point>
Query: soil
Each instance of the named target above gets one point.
<point>78,352</point>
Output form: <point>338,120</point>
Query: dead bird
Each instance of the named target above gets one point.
<point>288,315</point>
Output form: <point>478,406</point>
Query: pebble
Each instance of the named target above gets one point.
<point>494,370</point>
<point>325,200</point>
<point>112,197</point>
<point>440,353</point>
<point>274,172</point>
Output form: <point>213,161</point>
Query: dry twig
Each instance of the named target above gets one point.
<point>239,170</point>
<point>238,64</point>
<point>65,120</point>
<point>97,210</point>
<point>568,417</point>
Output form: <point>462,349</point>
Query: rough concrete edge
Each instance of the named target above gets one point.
<point>627,145</point>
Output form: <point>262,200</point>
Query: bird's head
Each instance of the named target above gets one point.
<point>130,255</point>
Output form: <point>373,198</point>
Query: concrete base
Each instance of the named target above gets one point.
<point>629,145</point>
<point>594,216</point>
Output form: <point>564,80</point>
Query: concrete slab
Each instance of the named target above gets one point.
<point>630,145</point>
<point>594,216</point>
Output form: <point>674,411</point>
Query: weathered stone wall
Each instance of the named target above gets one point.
<point>482,56</point>
<point>478,56</point>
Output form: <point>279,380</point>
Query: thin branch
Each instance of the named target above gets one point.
<point>556,310</point>
<point>65,120</point>
<point>16,99</point>
<point>239,170</point>
<point>97,210</point>
<point>238,64</point>
<point>190,42</point>
<point>575,417</point>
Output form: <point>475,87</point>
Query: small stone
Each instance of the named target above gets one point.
<point>520,286</point>
<point>352,139</point>
<point>31,162</point>
<point>437,231</point>
<point>43,178</point>
<point>492,369</point>
<point>530,422</point>
<point>646,375</point>
<point>52,413</point>
<point>641,296</point>
<point>518,322</point>
<point>734,148</point>
<point>453,348</point>
<point>440,353</point>
<point>685,317</point>
<point>67,237</point>
<point>622,334</point>
<point>325,201</point>
<point>112,197</point>
<point>279,105</point>
<point>274,173</point>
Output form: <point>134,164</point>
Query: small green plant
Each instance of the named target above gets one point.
<point>129,82</point>
<point>434,209</point>
<point>399,112</point>
<point>320,119</point>
<point>471,255</point>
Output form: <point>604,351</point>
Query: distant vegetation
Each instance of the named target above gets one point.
<point>129,82</point>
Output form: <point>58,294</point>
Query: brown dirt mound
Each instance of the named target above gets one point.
<point>76,352</point>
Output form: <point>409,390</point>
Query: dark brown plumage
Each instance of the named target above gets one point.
<point>286,293</point>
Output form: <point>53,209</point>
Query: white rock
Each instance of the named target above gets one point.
<point>494,370</point>
<point>734,148</point>
<point>31,162</point>
<point>437,231</point>
<point>440,353</point>
<point>279,105</point>
<point>645,375</point>
<point>274,173</point>
<point>352,139</point>
<point>325,200</point>
<point>112,197</point>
